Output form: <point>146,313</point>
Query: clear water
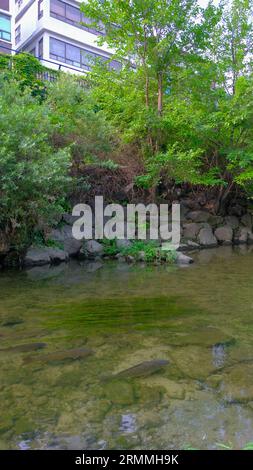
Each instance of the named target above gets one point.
<point>199,318</point>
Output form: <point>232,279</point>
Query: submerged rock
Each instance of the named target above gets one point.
<point>202,337</point>
<point>195,362</point>
<point>58,356</point>
<point>183,259</point>
<point>24,347</point>
<point>119,392</point>
<point>144,368</point>
<point>237,383</point>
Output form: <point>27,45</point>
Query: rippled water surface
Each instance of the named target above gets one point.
<point>116,316</point>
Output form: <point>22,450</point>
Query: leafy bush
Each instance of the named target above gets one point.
<point>33,174</point>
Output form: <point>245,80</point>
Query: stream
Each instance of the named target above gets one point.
<point>119,356</point>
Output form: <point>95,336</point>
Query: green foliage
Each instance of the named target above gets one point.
<point>187,102</point>
<point>33,174</point>
<point>76,120</point>
<point>110,247</point>
<point>26,70</point>
<point>149,249</point>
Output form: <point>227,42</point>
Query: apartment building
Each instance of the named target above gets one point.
<point>5,25</point>
<point>52,31</point>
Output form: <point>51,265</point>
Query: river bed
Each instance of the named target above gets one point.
<point>198,319</point>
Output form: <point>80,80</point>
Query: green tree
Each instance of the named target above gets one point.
<point>77,121</point>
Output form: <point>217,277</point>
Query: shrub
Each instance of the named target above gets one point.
<point>33,175</point>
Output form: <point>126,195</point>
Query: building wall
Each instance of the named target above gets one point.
<point>30,27</point>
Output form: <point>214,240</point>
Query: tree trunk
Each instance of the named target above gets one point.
<point>160,94</point>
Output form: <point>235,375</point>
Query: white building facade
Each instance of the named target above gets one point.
<point>51,30</point>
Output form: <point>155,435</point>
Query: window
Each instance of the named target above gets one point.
<point>75,56</point>
<point>57,49</point>
<point>40,9</point>
<point>4,5</point>
<point>73,14</point>
<point>70,14</point>
<point>18,34</point>
<point>41,48</point>
<point>5,27</point>
<point>57,8</point>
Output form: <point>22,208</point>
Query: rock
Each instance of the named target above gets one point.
<point>237,383</point>
<point>205,337</point>
<point>241,235</point>
<point>37,257</point>
<point>183,259</point>
<point>183,247</point>
<point>130,259</point>
<point>151,395</point>
<point>224,234</point>
<point>193,245</point>
<point>232,221</point>
<point>191,230</point>
<point>173,389</point>
<point>246,220</point>
<point>57,255</point>
<point>141,256</point>
<point>69,219</point>
<point>215,220</point>
<point>4,245</point>
<point>236,210</point>
<point>64,235</point>
<point>198,216</point>
<point>92,248</point>
<point>250,238</point>
<point>123,243</point>
<point>206,237</point>
<point>119,392</point>
<point>195,362</point>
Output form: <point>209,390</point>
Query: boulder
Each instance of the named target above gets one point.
<point>215,220</point>
<point>69,219</point>
<point>206,237</point>
<point>198,216</point>
<point>237,384</point>
<point>246,220</point>
<point>57,255</point>
<point>92,248</point>
<point>191,230</point>
<point>183,259</point>
<point>192,245</point>
<point>64,235</point>
<point>37,257</point>
<point>241,235</point>
<point>224,234</point>
<point>232,221</point>
<point>125,243</point>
